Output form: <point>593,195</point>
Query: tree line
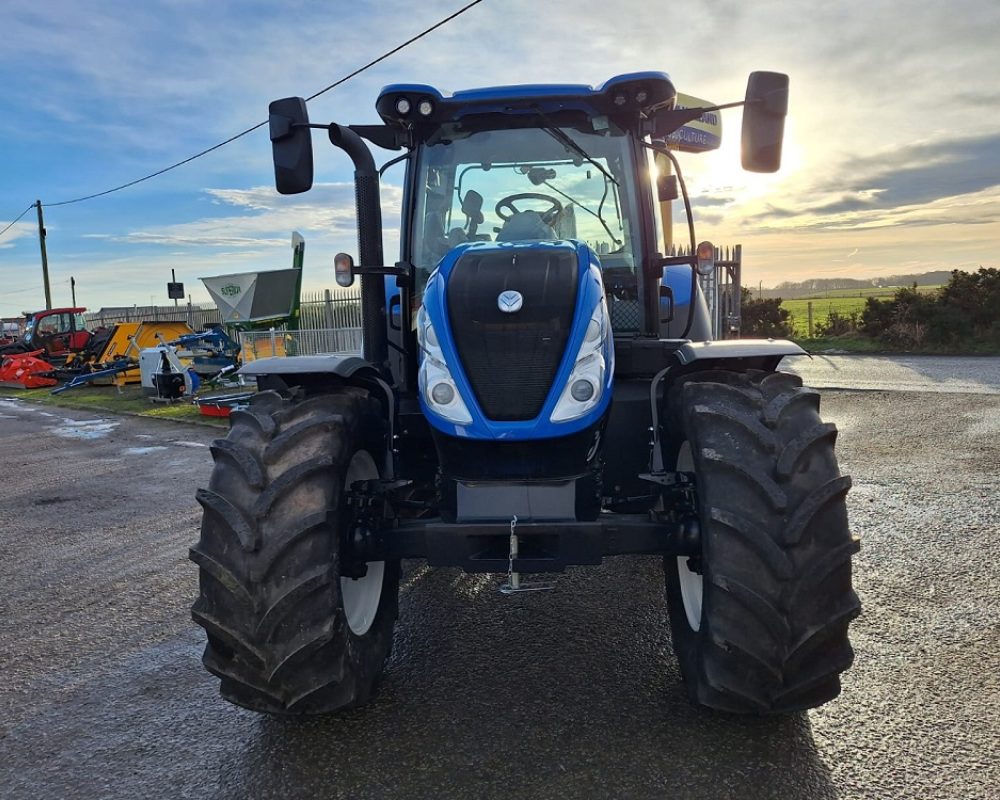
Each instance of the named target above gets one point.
<point>963,312</point>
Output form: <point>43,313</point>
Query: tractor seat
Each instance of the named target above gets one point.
<point>525,226</point>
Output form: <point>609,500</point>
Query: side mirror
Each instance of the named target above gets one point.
<point>666,188</point>
<point>291,145</point>
<point>764,121</point>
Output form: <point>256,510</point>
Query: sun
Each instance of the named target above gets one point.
<point>719,173</point>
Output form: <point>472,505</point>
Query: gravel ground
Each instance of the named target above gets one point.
<point>572,693</point>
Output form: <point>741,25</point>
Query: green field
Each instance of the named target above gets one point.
<point>843,301</point>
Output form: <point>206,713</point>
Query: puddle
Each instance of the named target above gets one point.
<point>141,451</point>
<point>85,429</point>
<point>8,416</point>
<point>981,426</point>
<point>188,444</point>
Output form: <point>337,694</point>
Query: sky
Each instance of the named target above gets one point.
<point>892,143</point>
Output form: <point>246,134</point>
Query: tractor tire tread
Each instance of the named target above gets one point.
<point>776,545</point>
<point>268,555</point>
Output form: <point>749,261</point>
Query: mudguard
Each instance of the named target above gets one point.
<point>339,364</point>
<point>767,350</point>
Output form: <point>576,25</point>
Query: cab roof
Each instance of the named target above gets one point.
<point>621,97</point>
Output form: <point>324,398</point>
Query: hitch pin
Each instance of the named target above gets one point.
<point>514,578</point>
<point>514,585</point>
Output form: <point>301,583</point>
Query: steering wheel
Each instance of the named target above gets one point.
<point>548,216</point>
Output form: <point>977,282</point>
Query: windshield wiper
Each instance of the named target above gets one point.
<point>563,138</point>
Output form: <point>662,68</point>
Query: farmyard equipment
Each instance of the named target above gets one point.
<point>537,390</point>
<point>26,370</point>
<point>59,332</point>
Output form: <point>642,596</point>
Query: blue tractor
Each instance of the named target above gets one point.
<point>538,388</point>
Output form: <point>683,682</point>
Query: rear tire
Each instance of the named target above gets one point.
<point>760,621</point>
<point>287,634</point>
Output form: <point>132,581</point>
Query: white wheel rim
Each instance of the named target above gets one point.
<point>361,596</point>
<point>692,584</point>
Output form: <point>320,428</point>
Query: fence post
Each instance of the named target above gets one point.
<point>738,290</point>
<point>809,311</point>
<point>328,308</point>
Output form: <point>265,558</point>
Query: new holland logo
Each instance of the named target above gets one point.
<point>510,301</point>
<point>231,290</point>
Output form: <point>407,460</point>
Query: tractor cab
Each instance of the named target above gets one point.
<point>535,164</point>
<point>57,331</point>
<point>490,170</point>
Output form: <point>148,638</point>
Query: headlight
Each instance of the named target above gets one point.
<point>436,383</point>
<point>585,386</point>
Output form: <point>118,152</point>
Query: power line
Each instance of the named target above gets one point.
<point>241,134</point>
<point>12,224</point>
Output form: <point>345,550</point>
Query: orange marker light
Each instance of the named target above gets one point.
<point>706,258</point>
<point>343,268</point>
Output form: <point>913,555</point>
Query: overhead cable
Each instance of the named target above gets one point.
<point>12,224</point>
<point>241,134</point>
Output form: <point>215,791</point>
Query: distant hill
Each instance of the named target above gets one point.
<point>791,289</point>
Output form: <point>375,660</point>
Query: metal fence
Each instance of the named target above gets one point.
<point>329,310</point>
<point>195,316</point>
<point>722,289</point>
<point>274,342</point>
<point>329,322</point>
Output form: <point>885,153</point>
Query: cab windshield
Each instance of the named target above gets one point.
<point>526,184</point>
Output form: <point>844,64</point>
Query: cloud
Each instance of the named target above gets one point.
<point>328,214</point>
<point>892,123</point>
<point>927,171</point>
<point>19,230</point>
<point>708,200</point>
<point>892,187</point>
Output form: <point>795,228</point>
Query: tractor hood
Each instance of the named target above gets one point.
<point>515,341</point>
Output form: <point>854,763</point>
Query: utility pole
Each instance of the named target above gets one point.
<point>72,289</point>
<point>45,257</point>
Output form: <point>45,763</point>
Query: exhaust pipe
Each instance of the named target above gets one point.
<point>369,210</point>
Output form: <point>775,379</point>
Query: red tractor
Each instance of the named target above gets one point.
<point>57,331</point>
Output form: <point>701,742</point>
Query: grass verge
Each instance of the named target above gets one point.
<point>840,344</point>
<point>130,402</point>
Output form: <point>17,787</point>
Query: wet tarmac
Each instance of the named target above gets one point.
<point>571,693</point>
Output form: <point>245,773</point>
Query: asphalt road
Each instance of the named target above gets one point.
<point>572,693</point>
<point>948,374</point>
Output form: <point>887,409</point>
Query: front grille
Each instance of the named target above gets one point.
<point>512,359</point>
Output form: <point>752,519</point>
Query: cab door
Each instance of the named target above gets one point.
<point>53,332</point>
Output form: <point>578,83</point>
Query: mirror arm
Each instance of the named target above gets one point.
<point>282,127</point>
<point>380,135</point>
<point>680,117</point>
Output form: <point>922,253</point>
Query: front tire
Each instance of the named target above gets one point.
<point>286,633</point>
<point>760,620</point>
